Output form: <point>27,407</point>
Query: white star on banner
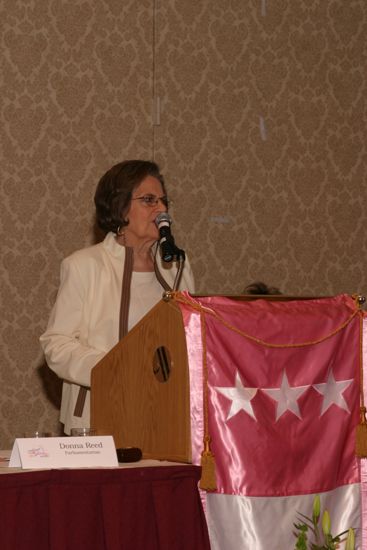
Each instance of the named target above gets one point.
<point>240,396</point>
<point>332,391</point>
<point>287,397</point>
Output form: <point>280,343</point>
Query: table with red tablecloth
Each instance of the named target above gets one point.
<point>141,508</point>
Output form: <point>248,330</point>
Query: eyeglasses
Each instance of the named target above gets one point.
<point>152,200</point>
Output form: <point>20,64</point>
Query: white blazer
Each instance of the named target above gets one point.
<point>84,322</point>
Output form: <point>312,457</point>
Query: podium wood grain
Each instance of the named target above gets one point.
<point>129,402</point>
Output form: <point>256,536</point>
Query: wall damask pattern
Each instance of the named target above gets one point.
<point>261,137</point>
<point>76,97</point>
<point>263,129</point>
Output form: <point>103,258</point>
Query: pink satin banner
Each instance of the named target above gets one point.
<point>195,349</point>
<point>191,319</point>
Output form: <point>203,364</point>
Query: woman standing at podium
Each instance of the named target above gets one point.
<point>107,288</point>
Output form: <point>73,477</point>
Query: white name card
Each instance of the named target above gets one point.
<point>63,452</point>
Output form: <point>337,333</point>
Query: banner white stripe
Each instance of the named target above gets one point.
<point>260,523</point>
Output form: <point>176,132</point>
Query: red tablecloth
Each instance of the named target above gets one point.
<point>155,508</point>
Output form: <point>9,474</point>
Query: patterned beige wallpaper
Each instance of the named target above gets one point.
<point>256,111</point>
<point>263,135</point>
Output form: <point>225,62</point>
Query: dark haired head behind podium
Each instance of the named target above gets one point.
<point>107,288</point>
<point>259,288</point>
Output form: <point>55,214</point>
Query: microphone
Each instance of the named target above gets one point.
<point>169,249</point>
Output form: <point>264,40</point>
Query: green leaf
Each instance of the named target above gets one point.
<point>301,526</point>
<point>301,543</point>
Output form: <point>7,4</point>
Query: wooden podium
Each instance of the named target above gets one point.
<point>140,389</point>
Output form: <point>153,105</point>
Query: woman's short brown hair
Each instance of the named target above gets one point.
<point>114,191</point>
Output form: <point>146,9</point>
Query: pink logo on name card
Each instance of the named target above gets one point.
<point>37,453</point>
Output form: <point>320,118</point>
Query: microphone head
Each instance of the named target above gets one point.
<point>163,218</point>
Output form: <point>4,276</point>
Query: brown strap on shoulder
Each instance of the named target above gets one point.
<point>125,291</point>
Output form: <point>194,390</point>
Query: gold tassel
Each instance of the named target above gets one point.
<point>361,435</point>
<point>208,477</point>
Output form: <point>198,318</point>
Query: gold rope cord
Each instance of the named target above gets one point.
<point>208,477</point>
<point>361,432</point>
<point>205,377</point>
<point>361,361</point>
<point>205,310</point>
